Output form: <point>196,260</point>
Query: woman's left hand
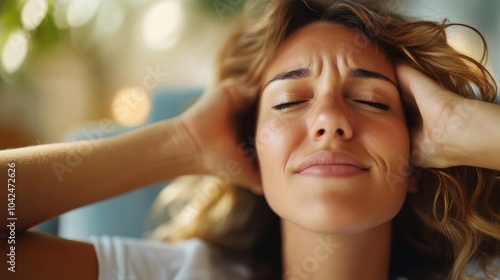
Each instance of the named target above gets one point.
<point>438,117</point>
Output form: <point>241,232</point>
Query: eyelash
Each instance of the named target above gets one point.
<point>285,105</point>
<point>376,105</point>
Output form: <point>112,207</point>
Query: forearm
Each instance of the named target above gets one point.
<point>52,179</point>
<point>476,140</point>
<point>39,256</point>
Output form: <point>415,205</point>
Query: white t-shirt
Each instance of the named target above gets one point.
<point>122,258</point>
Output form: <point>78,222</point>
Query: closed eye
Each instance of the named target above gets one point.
<point>285,105</point>
<point>377,105</point>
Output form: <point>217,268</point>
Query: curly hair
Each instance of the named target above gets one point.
<point>453,219</point>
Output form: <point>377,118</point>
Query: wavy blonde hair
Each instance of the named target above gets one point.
<point>451,221</point>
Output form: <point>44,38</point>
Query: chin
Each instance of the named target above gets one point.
<point>340,226</point>
<point>334,221</point>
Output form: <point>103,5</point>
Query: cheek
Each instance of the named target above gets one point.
<point>389,140</point>
<point>276,141</point>
<point>389,145</point>
<point>399,144</point>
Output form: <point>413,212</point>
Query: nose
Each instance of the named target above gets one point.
<point>329,121</point>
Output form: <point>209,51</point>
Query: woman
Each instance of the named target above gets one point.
<point>333,146</point>
<point>329,101</point>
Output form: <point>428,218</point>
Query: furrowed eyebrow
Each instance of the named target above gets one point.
<point>366,74</point>
<point>355,73</point>
<point>293,74</point>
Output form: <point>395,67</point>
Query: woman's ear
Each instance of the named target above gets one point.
<point>257,189</point>
<point>413,181</point>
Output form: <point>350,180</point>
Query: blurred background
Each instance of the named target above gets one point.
<point>67,62</point>
<point>68,65</point>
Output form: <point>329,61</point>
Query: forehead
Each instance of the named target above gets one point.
<point>323,44</point>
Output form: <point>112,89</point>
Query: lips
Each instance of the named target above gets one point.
<point>332,164</point>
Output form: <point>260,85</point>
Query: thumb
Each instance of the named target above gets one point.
<point>415,84</point>
<point>241,95</point>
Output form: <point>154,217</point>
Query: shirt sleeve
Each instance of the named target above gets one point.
<point>133,259</point>
<point>473,270</point>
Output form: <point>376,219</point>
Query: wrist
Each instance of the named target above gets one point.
<point>177,148</point>
<point>467,134</point>
<point>158,152</point>
<point>197,130</point>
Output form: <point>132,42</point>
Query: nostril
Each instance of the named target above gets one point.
<point>320,132</point>
<point>340,132</point>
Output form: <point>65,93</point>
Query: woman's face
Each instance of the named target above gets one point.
<point>331,134</point>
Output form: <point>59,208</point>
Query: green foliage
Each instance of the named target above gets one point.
<point>40,38</point>
<point>10,19</point>
<point>221,8</point>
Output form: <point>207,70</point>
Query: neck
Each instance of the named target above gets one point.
<point>308,255</point>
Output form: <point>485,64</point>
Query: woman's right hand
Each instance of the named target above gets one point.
<point>211,123</point>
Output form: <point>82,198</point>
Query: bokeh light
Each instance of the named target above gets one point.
<point>59,15</point>
<point>33,13</point>
<point>162,24</point>
<point>131,106</point>
<point>81,11</point>
<point>14,51</point>
<point>110,17</point>
<point>465,41</point>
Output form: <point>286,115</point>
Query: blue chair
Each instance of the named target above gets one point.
<point>123,215</point>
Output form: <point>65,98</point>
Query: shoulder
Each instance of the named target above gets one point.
<point>475,271</point>
<point>131,259</point>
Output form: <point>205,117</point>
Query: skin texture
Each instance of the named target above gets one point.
<point>453,130</point>
<point>331,115</point>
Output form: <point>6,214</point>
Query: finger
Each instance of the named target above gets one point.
<point>242,95</point>
<point>407,77</point>
<point>415,84</point>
